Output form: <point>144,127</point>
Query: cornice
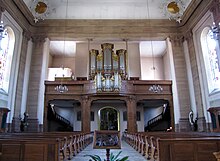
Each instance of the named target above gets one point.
<point>190,11</point>
<point>201,9</point>
<point>15,12</point>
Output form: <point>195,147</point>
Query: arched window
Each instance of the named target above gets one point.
<point>6,54</point>
<point>211,59</point>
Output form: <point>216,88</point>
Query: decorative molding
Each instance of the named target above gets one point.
<point>38,39</point>
<point>215,9</point>
<point>189,36</point>
<point>177,40</point>
<point>131,98</point>
<point>27,35</point>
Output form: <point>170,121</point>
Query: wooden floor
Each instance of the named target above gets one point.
<point>126,149</point>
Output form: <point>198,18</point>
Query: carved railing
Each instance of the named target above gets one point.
<point>61,119</point>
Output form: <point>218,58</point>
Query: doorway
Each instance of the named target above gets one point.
<point>108,119</point>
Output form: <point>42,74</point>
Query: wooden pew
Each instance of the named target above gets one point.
<point>65,145</point>
<point>152,148</point>
<point>188,149</point>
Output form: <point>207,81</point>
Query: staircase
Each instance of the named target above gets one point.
<point>159,123</point>
<point>62,123</point>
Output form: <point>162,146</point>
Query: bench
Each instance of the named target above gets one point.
<point>147,143</point>
<point>62,145</point>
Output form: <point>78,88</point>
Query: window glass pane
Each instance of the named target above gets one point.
<point>79,116</point>
<point>138,116</point>
<point>213,58</point>
<point>92,116</point>
<point>211,55</point>
<point>125,116</point>
<point>6,54</point>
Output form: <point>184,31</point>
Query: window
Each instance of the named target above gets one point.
<point>6,54</point>
<point>138,116</point>
<point>211,56</point>
<point>91,116</point>
<point>125,116</point>
<point>78,116</point>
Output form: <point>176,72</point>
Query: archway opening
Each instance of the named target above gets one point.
<point>109,119</point>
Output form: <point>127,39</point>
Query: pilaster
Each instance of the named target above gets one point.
<point>131,114</point>
<point>19,89</point>
<point>35,81</point>
<point>196,81</point>
<point>86,107</point>
<point>181,78</point>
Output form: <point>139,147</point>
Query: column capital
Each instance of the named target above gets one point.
<point>176,39</point>
<point>131,98</point>
<point>38,38</point>
<point>2,9</point>
<point>215,9</point>
<point>85,99</point>
<point>188,36</point>
<point>27,35</point>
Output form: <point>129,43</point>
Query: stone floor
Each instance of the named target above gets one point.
<point>126,149</point>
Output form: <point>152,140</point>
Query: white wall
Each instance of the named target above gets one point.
<point>134,64</point>
<point>147,72</point>
<point>166,66</point>
<point>174,86</point>
<point>67,62</point>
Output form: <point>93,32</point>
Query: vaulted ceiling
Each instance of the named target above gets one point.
<point>105,9</point>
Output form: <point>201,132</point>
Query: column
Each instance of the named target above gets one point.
<point>181,81</point>
<point>199,109</point>
<point>131,114</point>
<point>35,82</point>
<point>18,112</point>
<point>85,108</point>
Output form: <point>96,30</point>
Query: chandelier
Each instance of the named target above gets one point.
<point>40,9</point>
<point>107,68</point>
<point>154,88</point>
<point>174,9</point>
<point>63,88</point>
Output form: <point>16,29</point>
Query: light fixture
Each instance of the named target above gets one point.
<point>40,9</point>
<point>151,42</point>
<point>154,88</point>
<point>174,9</point>
<point>63,88</point>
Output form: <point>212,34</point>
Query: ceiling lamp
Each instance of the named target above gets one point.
<point>174,9</point>
<point>153,88</point>
<point>63,88</point>
<point>40,9</point>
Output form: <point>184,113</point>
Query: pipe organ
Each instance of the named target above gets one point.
<point>107,68</point>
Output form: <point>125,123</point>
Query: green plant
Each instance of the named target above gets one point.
<point>111,158</point>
